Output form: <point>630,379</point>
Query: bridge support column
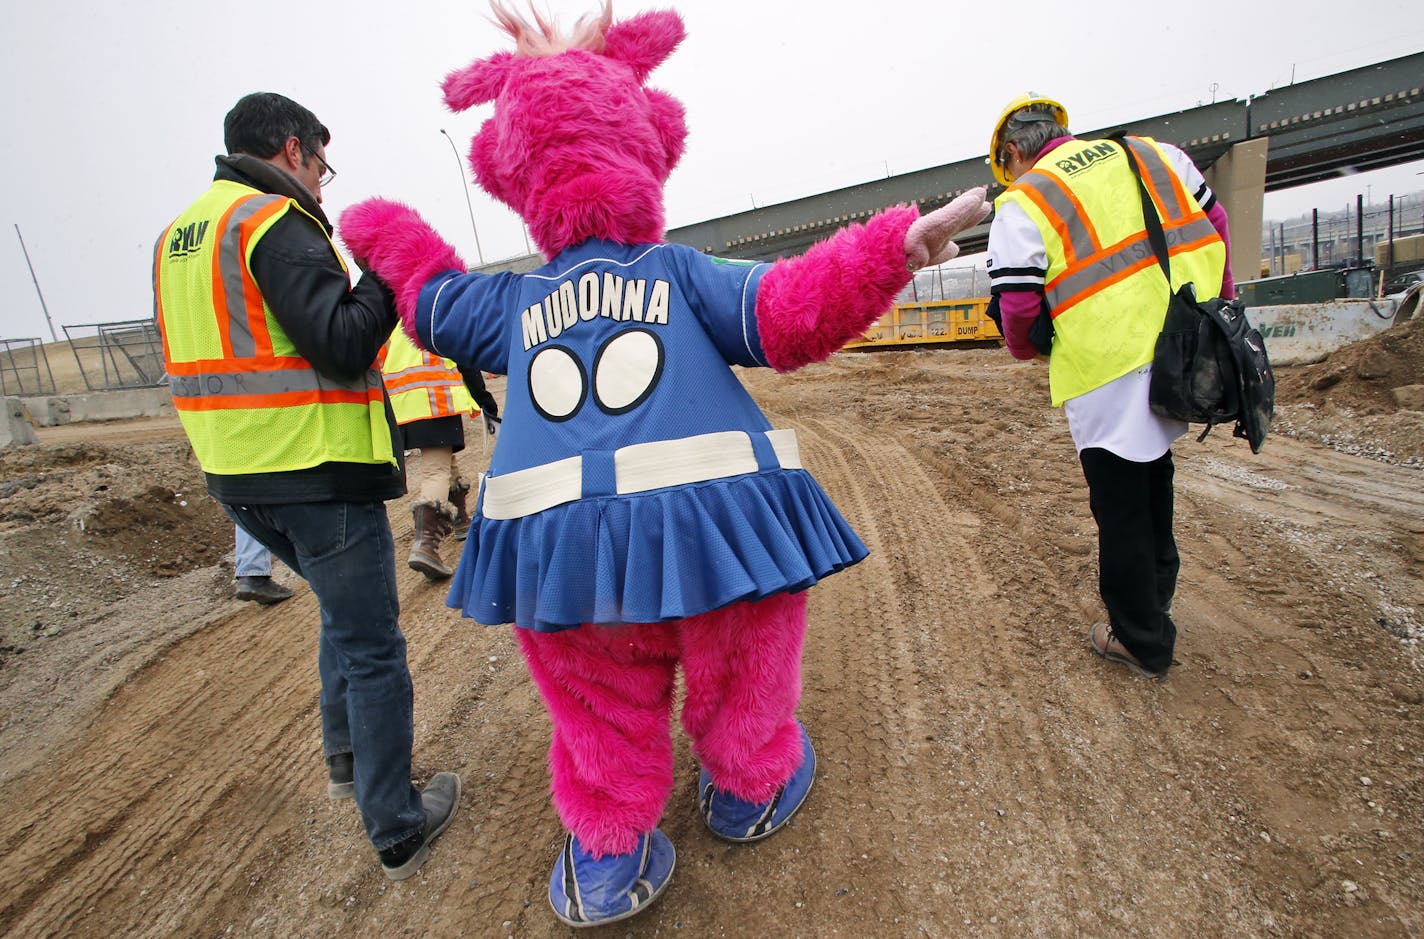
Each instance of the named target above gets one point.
<point>1239,180</point>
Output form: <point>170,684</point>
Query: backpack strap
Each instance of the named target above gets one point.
<point>1155,236</point>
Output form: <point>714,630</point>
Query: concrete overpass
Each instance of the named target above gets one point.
<point>1366,118</point>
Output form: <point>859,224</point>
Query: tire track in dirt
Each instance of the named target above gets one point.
<point>941,650</point>
<point>169,752</point>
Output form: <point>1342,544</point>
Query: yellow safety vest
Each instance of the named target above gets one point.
<point>422,385</point>
<point>1103,284</point>
<point>248,401</point>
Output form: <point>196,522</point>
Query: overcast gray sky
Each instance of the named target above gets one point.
<point>113,111</point>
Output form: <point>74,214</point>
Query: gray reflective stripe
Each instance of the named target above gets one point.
<point>278,381</point>
<point>232,265</point>
<point>1131,252</point>
<point>1051,190</point>
<point>1161,175</point>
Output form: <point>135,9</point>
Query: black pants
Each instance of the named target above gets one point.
<point>1137,555</point>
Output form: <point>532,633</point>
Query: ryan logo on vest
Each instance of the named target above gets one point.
<point>1086,157</point>
<point>187,241</point>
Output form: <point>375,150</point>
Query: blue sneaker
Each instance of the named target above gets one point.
<point>738,820</point>
<point>585,892</point>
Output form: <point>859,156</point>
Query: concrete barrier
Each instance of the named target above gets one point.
<point>53,410</point>
<point>15,429</point>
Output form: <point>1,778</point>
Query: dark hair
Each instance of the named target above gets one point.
<point>261,122</point>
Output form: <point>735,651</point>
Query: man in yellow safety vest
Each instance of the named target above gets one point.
<point>1069,233</point>
<point>271,356</point>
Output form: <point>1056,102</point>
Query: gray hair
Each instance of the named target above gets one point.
<point>1030,130</point>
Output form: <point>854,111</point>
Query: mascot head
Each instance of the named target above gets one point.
<point>577,146</point>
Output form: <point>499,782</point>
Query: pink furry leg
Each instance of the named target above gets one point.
<point>811,305</point>
<point>609,693</point>
<point>742,669</point>
<point>393,242</point>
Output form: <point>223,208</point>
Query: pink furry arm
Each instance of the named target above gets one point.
<point>394,243</point>
<point>809,306</point>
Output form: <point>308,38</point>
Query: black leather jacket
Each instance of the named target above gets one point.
<point>334,326</point>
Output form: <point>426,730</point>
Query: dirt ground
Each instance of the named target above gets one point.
<point>981,772</point>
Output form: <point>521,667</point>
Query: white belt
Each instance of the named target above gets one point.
<point>636,468</point>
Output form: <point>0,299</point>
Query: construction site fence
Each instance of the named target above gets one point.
<point>24,368</point>
<point>128,354</point>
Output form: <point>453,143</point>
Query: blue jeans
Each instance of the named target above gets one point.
<point>345,551</point>
<point>250,557</point>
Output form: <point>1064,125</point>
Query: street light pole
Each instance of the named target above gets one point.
<point>37,282</point>
<point>465,187</point>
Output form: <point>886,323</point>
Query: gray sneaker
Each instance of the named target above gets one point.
<point>440,799</point>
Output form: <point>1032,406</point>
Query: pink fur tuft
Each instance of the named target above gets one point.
<point>809,306</point>
<point>645,41</point>
<point>478,82</point>
<point>670,120</point>
<point>394,242</point>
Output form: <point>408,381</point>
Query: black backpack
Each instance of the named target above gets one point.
<point>1210,365</point>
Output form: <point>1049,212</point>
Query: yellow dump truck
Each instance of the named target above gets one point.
<point>930,322</point>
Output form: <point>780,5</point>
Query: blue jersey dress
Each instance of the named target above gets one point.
<point>606,348</point>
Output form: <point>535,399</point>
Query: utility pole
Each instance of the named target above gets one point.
<point>37,282</point>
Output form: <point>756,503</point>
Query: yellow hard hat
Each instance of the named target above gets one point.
<point>1059,113</point>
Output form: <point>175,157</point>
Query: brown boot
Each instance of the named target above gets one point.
<point>459,490</point>
<point>432,524</point>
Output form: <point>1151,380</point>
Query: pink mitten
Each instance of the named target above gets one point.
<point>393,242</point>
<point>928,241</point>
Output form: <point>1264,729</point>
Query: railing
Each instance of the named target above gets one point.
<point>24,368</point>
<point>129,354</point>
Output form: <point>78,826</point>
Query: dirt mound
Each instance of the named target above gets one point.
<point>86,524</point>
<point>1363,375</point>
<point>1364,399</point>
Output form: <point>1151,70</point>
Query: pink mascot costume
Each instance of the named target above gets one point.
<point>640,513</point>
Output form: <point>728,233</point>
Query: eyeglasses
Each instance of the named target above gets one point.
<point>327,173</point>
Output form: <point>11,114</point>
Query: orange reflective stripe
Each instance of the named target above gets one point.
<point>1160,180</point>
<point>219,288</point>
<point>239,366</point>
<point>1086,279</point>
<point>243,334</point>
<point>282,399</point>
<point>252,297</point>
<point>1043,190</point>
<point>416,377</point>
<point>1063,304</point>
